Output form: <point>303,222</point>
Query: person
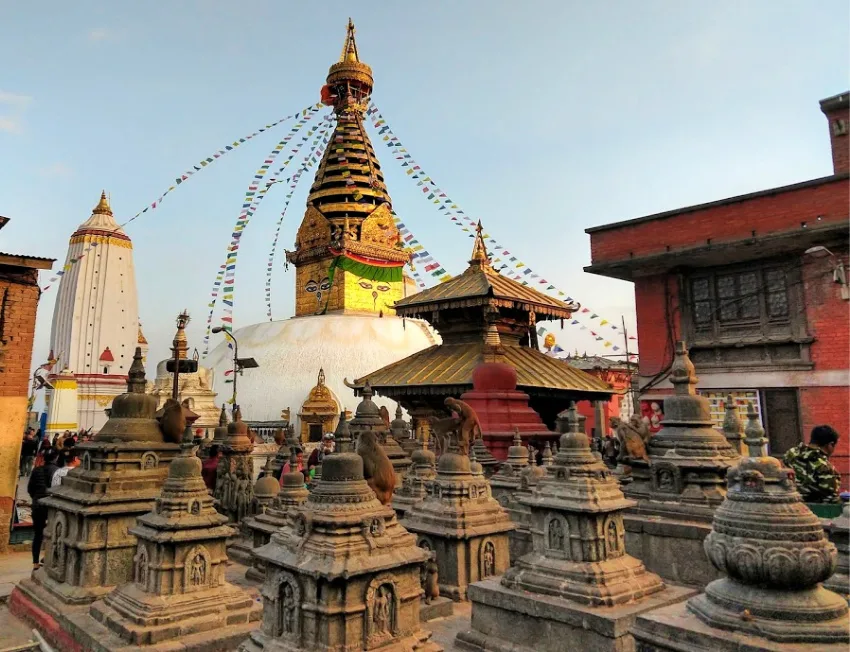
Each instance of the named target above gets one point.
<point>69,460</point>
<point>37,488</point>
<point>818,481</point>
<point>319,452</point>
<point>44,445</point>
<point>210,466</point>
<point>299,465</point>
<point>29,448</point>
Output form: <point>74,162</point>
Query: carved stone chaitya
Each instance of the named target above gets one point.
<point>417,482</point>
<point>774,554</point>
<point>679,483</point>
<point>485,458</point>
<point>178,593</point>
<point>235,477</point>
<point>506,480</point>
<point>732,424</point>
<point>463,524</point>
<point>403,433</point>
<point>578,584</point>
<point>89,542</point>
<point>266,490</point>
<point>343,575</point>
<point>368,417</point>
<point>838,530</point>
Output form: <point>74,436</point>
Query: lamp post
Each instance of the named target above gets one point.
<point>838,273</point>
<point>238,363</point>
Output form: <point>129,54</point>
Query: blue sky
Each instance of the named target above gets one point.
<point>541,118</point>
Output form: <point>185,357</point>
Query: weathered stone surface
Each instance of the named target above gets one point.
<point>679,481</point>
<point>266,490</point>
<point>577,583</point>
<point>88,539</point>
<point>343,574</point>
<point>417,483</point>
<point>838,531</point>
<point>463,524</point>
<point>234,486</point>
<point>403,433</point>
<point>488,463</point>
<point>506,479</point>
<point>774,553</point>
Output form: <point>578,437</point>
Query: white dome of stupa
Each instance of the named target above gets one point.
<point>291,352</point>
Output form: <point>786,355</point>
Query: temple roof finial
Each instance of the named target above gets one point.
<point>103,207</point>
<point>480,257</point>
<point>349,48</point>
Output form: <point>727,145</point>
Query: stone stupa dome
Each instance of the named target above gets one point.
<point>290,353</point>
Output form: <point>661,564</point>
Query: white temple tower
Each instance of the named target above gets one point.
<point>62,404</point>
<point>96,318</point>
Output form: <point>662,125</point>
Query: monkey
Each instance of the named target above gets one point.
<point>469,424</point>
<point>172,421</point>
<point>385,415</point>
<point>431,584</point>
<point>377,468</point>
<point>440,430</point>
<point>632,446</point>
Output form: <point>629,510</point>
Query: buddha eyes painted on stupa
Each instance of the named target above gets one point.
<point>380,287</point>
<point>312,286</point>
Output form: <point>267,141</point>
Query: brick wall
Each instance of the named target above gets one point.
<point>828,405</point>
<point>19,294</point>
<point>765,214</point>
<point>826,312</point>
<point>656,302</point>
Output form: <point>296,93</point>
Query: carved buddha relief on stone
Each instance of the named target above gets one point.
<point>557,534</point>
<point>488,560</point>
<point>382,605</point>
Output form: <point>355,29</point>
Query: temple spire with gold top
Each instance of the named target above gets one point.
<point>348,252</point>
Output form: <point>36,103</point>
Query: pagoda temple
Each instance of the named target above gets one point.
<point>462,311</point>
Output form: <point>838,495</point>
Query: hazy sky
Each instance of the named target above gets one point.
<point>541,118</point>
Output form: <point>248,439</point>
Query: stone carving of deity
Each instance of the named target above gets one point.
<point>142,567</point>
<point>59,547</point>
<point>383,609</point>
<point>242,498</point>
<point>666,481</point>
<point>288,608</point>
<point>556,534</point>
<point>488,560</point>
<point>613,538</point>
<point>198,576</point>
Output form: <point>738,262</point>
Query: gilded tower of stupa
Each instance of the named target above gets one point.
<point>348,252</point>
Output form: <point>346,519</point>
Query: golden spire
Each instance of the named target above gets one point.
<point>480,257</point>
<point>349,48</point>
<point>180,345</point>
<point>102,207</point>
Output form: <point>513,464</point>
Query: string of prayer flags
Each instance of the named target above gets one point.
<point>316,151</point>
<point>183,178</point>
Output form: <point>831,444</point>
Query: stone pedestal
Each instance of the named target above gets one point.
<point>178,591</point>
<point>838,531</point>
<point>368,417</point>
<point>577,584</point>
<point>774,554</point>
<point>678,482</point>
<point>417,483</point>
<point>344,575</point>
<point>88,540</point>
<point>502,409</point>
<point>463,524</point>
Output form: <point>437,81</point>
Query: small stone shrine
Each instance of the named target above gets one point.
<point>235,490</point>
<point>519,539</point>
<point>368,417</point>
<point>403,433</point>
<point>89,543</point>
<point>219,432</point>
<point>178,593</point>
<point>343,575</point>
<point>286,440</point>
<point>838,530</point>
<point>732,424</point>
<point>506,480</point>
<point>266,490</point>
<point>461,521</point>
<point>489,464</point>
<point>578,584</point>
<point>774,554</point>
<point>677,482</point>
<point>417,482</point>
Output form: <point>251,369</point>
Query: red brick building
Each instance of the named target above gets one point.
<point>19,293</point>
<point>618,374</point>
<point>756,286</point>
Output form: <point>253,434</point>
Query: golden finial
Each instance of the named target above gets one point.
<point>102,207</point>
<point>349,48</point>
<point>479,250</point>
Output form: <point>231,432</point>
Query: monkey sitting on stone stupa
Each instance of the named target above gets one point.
<point>377,468</point>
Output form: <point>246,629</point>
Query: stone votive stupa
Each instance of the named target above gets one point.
<point>343,575</point>
<point>235,502</point>
<point>403,433</point>
<point>732,424</point>
<point>578,584</point>
<point>266,490</point>
<point>89,540</point>
<point>178,593</point>
<point>838,530</point>
<point>506,480</point>
<point>368,417</point>
<point>489,464</point>
<point>680,484</point>
<point>461,521</point>
<point>417,482</point>
<point>774,555</point>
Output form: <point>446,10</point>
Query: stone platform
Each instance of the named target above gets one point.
<point>675,628</point>
<point>546,623</point>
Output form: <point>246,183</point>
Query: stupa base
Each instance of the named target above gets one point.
<point>677,628</point>
<point>810,616</point>
<point>259,641</point>
<point>504,620</point>
<point>441,607</point>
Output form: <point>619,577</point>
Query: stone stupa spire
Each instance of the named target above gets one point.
<point>732,424</point>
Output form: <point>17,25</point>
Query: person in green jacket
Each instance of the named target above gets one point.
<point>818,481</point>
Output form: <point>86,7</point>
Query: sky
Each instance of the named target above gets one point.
<point>541,118</point>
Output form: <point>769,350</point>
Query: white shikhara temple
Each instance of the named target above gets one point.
<point>96,317</point>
